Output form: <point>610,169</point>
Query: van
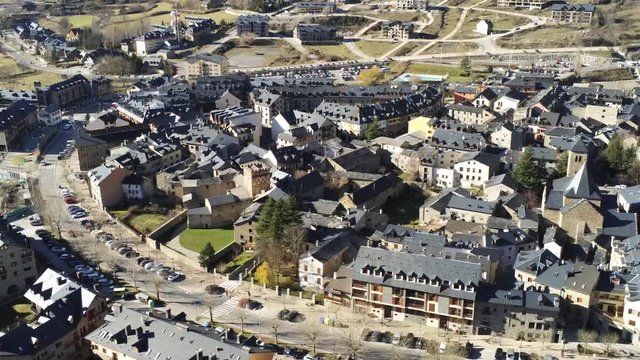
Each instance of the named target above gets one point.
<point>511,354</point>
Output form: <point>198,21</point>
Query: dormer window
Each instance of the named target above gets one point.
<point>470,288</point>
<point>435,282</point>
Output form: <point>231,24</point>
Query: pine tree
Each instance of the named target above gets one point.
<point>619,158</point>
<point>206,258</point>
<point>373,130</point>
<point>528,173</point>
<point>561,165</point>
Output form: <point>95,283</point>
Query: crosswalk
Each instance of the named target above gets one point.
<point>226,307</point>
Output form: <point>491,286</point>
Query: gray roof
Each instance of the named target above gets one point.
<point>630,194</point>
<point>534,262</point>
<point>139,336</point>
<point>578,277</point>
<point>392,263</point>
<point>525,300</point>
<point>475,205</point>
<point>503,179</point>
<point>573,7</point>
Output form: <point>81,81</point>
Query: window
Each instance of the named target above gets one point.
<point>579,300</point>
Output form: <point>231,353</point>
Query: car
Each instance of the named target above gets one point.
<point>124,250</point>
<point>260,343</point>
<point>511,355</point>
<point>156,267</point>
<point>59,249</point>
<point>282,315</point>
<point>79,215</point>
<point>114,245</point>
<point>140,259</point>
<point>130,254</point>
<point>254,305</point>
<point>143,263</point>
<point>80,268</point>
<point>66,256</point>
<point>310,357</point>
<point>41,232</point>
<point>499,353</point>
<point>149,265</point>
<point>70,200</point>
<point>164,269</point>
<point>105,281</point>
<point>292,316</point>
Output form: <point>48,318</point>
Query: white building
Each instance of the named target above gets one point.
<point>476,168</point>
<point>50,116</point>
<point>484,27</point>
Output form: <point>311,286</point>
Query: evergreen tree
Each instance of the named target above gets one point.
<point>373,130</point>
<point>561,165</point>
<point>206,258</point>
<point>528,173</point>
<point>619,158</point>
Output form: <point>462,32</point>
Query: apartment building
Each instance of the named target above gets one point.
<point>530,4</point>
<point>105,183</point>
<point>149,43</point>
<point>15,122</point>
<point>311,7</point>
<point>206,65</point>
<point>66,312</point>
<point>572,13</point>
<point>257,25</point>
<point>63,94</point>
<point>91,151</point>
<point>397,29</point>
<point>17,268</point>
<point>404,286</point>
<point>412,4</point>
<point>316,34</point>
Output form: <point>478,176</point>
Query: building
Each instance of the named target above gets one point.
<point>66,313</point>
<point>206,65</point>
<point>73,35</point>
<point>136,187</point>
<point>526,4</point>
<point>468,114</point>
<point>316,34</point>
<point>17,268</point>
<point>476,168</point>
<point>132,334</point>
<point>484,27</point>
<point>15,122</point>
<point>92,151</point>
<point>257,25</point>
<point>105,183</point>
<point>404,286</point>
<point>149,43</point>
<point>49,116</point>
<point>397,29</point>
<point>318,265</point>
<point>572,13</point>
<point>65,93</point>
<point>412,4</point>
<point>311,7</point>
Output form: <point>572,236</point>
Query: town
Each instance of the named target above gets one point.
<point>207,180</point>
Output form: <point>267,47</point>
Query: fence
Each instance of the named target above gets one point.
<point>245,268</point>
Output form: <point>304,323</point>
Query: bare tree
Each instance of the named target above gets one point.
<point>157,283</point>
<point>246,39</point>
<point>609,339</point>
<point>312,332</point>
<point>275,326</point>
<point>242,316</point>
<point>134,272</point>
<point>587,336</point>
<point>210,304</point>
<point>353,342</point>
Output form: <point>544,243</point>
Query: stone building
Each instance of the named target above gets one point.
<point>15,122</point>
<point>397,29</point>
<point>573,13</point>
<point>17,268</point>
<point>206,65</point>
<point>257,25</point>
<point>316,34</point>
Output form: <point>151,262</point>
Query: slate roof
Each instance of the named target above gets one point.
<point>582,185</point>
<point>519,299</point>
<point>578,277</point>
<point>475,205</point>
<point>424,267</point>
<point>534,262</point>
<point>630,194</point>
<point>573,7</point>
<point>334,244</point>
<point>374,189</point>
<point>14,113</point>
<point>503,179</point>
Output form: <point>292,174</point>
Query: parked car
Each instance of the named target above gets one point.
<point>130,254</point>
<point>58,249</point>
<point>254,305</point>
<point>174,277</point>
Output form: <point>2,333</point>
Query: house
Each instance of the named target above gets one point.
<point>244,227</point>
<point>257,25</point>
<point>434,208</point>
<point>499,185</point>
<point>15,122</point>
<point>228,100</point>
<point>149,43</point>
<point>316,266</point>
<point>572,13</point>
<point>518,314</point>
<point>468,209</point>
<point>508,136</point>
<point>510,101</point>
<point>217,211</point>
<point>67,312</point>
<point>484,27</point>
<point>92,151</point>
<point>132,334</point>
<point>49,115</point>
<point>316,34</point>
<point>375,194</point>
<point>427,125</point>
<point>93,57</point>
<point>396,29</point>
<point>468,114</point>
<point>366,159</point>
<point>628,199</point>
<point>18,269</point>
<point>136,187</point>
<point>476,168</point>
<point>105,184</point>
<point>197,32</point>
<point>74,34</point>
<point>206,65</point>
<point>406,286</point>
<point>464,94</point>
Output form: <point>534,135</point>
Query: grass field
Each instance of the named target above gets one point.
<point>196,239</point>
<point>21,78</point>
<point>19,309</point>
<point>143,223</point>
<point>455,73</point>
<point>501,23</point>
<point>239,261</point>
<point>336,52</point>
<point>407,48</point>
<point>451,47</point>
<point>375,48</point>
<point>553,35</point>
<point>264,52</point>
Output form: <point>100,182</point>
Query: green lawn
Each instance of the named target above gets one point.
<point>455,73</point>
<point>375,48</point>
<point>239,261</point>
<point>195,239</point>
<point>22,78</point>
<point>19,309</point>
<point>332,52</point>
<point>143,223</point>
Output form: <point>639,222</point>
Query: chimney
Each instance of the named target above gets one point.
<point>199,355</point>
<point>139,332</point>
<point>129,330</point>
<point>317,243</point>
<point>61,280</point>
<point>335,275</point>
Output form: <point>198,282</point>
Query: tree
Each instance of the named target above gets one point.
<point>246,39</point>
<point>157,283</point>
<point>632,177</point>
<point>465,64</point>
<point>116,65</point>
<point>371,76</point>
<point>242,316</point>
<point>609,339</point>
<point>312,332</point>
<point>210,304</point>
<point>373,130</point>
<point>587,336</point>
<point>64,24</point>
<point>207,259</point>
<point>353,342</point>
<point>275,326</point>
<point>561,165</point>
<point>529,173</point>
<point>618,158</point>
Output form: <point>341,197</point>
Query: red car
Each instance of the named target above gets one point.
<point>69,200</point>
